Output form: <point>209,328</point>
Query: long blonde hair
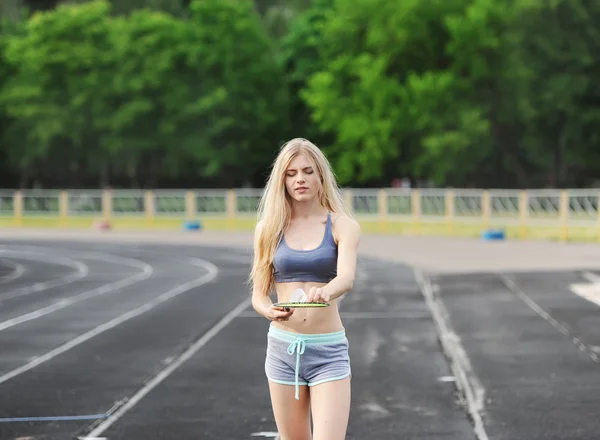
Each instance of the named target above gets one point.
<point>274,209</point>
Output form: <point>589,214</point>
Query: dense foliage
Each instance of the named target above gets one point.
<point>199,93</point>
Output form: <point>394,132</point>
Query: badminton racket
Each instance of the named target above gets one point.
<point>300,305</point>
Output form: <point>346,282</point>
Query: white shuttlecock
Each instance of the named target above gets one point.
<point>298,295</point>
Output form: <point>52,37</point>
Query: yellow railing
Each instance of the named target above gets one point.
<point>547,214</point>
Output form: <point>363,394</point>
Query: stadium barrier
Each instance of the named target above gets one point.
<point>568,214</point>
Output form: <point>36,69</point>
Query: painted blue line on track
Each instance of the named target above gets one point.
<point>53,418</point>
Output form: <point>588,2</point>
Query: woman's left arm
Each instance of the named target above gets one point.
<point>348,233</point>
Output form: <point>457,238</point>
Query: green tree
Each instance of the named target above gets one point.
<point>561,47</point>
<point>484,107</point>
<point>9,142</point>
<point>241,83</point>
<point>301,58</point>
<point>379,54</point>
<point>175,7</point>
<point>58,87</point>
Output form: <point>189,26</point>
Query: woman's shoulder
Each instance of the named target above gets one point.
<point>258,228</point>
<point>343,220</point>
<point>344,225</point>
<point>258,232</point>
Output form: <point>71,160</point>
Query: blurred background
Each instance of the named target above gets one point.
<point>146,95</point>
<point>470,118</point>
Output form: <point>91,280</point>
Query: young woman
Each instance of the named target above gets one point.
<point>305,244</point>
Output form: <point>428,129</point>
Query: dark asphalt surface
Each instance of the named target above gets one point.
<point>4,269</point>
<point>108,322</point>
<point>529,343</point>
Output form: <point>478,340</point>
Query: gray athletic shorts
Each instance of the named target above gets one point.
<point>306,359</point>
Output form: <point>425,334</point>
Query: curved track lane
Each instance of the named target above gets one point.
<point>178,351</point>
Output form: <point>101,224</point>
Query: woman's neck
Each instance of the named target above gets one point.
<point>307,209</point>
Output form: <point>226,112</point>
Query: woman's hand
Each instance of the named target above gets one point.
<point>317,294</point>
<point>275,313</point>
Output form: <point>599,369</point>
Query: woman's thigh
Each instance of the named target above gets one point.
<point>291,416</point>
<point>330,405</point>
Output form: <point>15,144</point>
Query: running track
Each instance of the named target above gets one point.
<point>147,341</point>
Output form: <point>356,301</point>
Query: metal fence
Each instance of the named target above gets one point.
<point>493,208</point>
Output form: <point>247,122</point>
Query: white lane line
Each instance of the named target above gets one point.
<point>591,277</point>
<point>180,360</point>
<point>212,272</point>
<point>146,273</point>
<point>460,365</point>
<point>17,272</point>
<point>81,271</point>
<point>589,291</point>
<point>512,286</point>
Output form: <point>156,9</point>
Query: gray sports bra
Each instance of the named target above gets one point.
<point>317,265</point>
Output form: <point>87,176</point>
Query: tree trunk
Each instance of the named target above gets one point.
<point>105,174</point>
<point>132,173</point>
<point>553,178</point>
<point>508,146</point>
<point>558,154</point>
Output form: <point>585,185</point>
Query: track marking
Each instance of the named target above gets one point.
<point>589,291</point>
<point>180,360</point>
<point>53,418</point>
<point>512,286</point>
<point>18,271</point>
<point>146,273</point>
<point>81,271</point>
<point>212,273</point>
<point>466,381</point>
<point>591,277</point>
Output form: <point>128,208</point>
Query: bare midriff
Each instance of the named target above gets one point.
<point>308,320</point>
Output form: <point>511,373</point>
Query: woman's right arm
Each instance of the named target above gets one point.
<point>261,302</point>
<point>264,306</point>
